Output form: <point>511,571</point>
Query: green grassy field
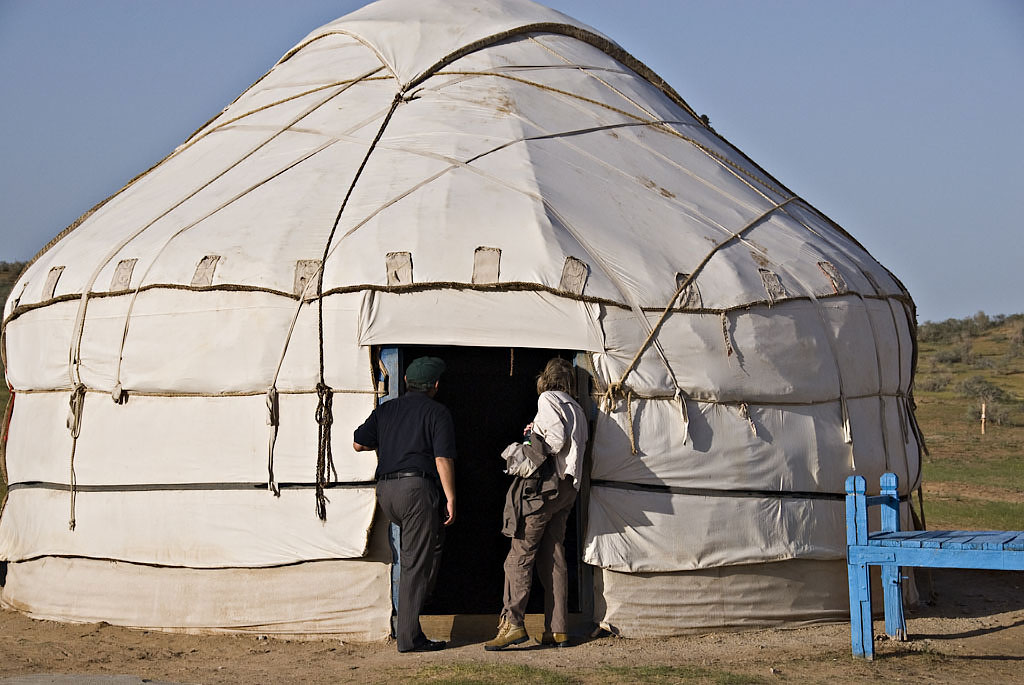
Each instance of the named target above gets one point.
<point>972,481</point>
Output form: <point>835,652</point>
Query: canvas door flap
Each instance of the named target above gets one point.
<point>480,319</point>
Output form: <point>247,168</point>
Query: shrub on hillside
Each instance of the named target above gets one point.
<point>996,414</point>
<point>957,354</point>
<point>982,390</point>
<point>933,382</point>
<point>983,363</point>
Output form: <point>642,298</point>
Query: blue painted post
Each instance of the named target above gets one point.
<point>892,582</point>
<point>390,359</point>
<point>857,573</point>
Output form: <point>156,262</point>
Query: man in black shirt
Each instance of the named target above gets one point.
<point>414,436</point>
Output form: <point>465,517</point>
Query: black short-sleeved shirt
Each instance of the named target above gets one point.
<point>408,433</point>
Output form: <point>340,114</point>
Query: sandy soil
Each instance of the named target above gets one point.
<point>974,631</point>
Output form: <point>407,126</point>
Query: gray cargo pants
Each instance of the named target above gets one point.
<point>541,544</point>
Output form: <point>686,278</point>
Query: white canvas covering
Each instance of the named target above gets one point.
<point>487,165</point>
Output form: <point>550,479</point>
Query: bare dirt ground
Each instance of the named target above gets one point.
<point>974,631</point>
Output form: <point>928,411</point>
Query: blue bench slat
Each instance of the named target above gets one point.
<point>992,539</point>
<point>906,539</point>
<point>950,539</point>
<point>1016,544</point>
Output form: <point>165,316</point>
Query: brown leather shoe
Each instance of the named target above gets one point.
<point>556,639</point>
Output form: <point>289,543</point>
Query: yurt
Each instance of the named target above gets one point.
<point>494,183</point>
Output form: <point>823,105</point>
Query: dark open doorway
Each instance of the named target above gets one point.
<point>492,395</point>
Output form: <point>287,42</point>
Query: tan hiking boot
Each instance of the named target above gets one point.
<point>507,636</point>
<point>556,639</point>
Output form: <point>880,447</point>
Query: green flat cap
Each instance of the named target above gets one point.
<point>424,372</point>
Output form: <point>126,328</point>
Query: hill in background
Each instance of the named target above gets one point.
<point>972,480</point>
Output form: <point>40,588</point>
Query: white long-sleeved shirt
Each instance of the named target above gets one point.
<point>562,424</point>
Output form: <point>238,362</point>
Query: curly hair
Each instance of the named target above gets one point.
<point>558,374</point>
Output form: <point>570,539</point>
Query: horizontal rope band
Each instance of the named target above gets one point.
<point>150,564</point>
<point>240,393</point>
<point>712,492</point>
<point>599,392</point>
<point>509,286</point>
<point>154,487</point>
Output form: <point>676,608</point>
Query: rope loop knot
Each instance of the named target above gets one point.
<point>324,456</point>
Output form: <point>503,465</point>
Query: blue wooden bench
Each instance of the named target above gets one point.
<point>890,548</point>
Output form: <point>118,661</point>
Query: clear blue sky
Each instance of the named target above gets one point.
<point>900,120</point>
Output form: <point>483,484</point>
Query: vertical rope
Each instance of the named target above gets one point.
<point>77,402</point>
<point>273,420</point>
<point>325,396</point>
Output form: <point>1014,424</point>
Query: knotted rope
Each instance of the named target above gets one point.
<point>324,456</point>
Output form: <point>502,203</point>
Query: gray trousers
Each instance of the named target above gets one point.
<point>413,504</point>
<point>541,545</point>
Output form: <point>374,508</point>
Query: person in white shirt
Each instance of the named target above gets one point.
<point>538,507</point>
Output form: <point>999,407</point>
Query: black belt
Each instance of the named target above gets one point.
<point>404,474</point>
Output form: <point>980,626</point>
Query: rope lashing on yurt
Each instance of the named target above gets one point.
<point>274,421</point>
<point>325,456</point>
<point>324,417</point>
<point>77,403</point>
<point>616,388</point>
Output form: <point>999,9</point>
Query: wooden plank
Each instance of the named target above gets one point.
<point>961,539</point>
<point>897,539</point>
<point>918,538</point>
<point>936,540</point>
<point>991,540</point>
